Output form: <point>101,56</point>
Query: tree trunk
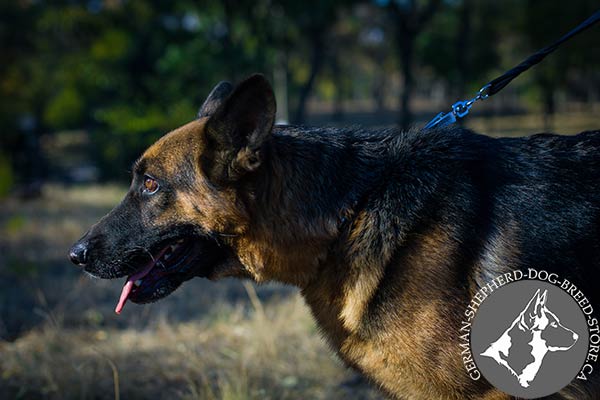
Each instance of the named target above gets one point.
<point>338,101</point>
<point>406,43</point>
<point>316,61</point>
<point>409,21</point>
<point>379,85</point>
<point>463,47</point>
<point>280,80</point>
<point>227,41</point>
<point>547,89</point>
<point>549,107</point>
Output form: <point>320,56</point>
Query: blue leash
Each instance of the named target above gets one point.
<point>461,108</point>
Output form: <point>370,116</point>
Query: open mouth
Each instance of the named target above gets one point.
<point>168,268</point>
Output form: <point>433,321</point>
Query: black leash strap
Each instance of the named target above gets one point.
<point>462,108</point>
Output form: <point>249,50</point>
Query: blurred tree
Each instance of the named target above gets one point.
<point>410,17</point>
<point>125,72</point>
<point>542,23</point>
<point>19,101</point>
<point>313,24</point>
<point>461,44</point>
<point>375,43</point>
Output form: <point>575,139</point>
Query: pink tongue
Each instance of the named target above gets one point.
<point>131,280</point>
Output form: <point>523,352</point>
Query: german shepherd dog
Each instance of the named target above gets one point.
<point>388,234</point>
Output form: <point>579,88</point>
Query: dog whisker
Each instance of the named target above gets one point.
<point>90,275</point>
<point>227,234</point>
<point>136,249</point>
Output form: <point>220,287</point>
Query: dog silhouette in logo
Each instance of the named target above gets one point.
<point>535,332</point>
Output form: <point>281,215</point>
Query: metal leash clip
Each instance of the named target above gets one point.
<point>459,110</point>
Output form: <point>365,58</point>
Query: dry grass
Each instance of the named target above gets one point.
<point>274,355</point>
<point>208,340</point>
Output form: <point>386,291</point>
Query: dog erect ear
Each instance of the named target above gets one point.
<point>540,303</point>
<point>238,129</point>
<point>530,311</point>
<point>215,99</point>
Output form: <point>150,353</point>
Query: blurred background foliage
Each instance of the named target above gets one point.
<point>85,86</point>
<point>116,74</point>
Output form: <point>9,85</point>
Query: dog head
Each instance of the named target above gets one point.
<point>537,317</point>
<point>184,198</point>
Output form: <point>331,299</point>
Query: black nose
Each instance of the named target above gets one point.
<point>78,253</point>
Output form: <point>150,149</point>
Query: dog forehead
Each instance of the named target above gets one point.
<point>176,146</point>
<point>551,316</point>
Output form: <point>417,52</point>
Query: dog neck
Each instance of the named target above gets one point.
<point>539,349</point>
<point>308,190</point>
<point>331,210</point>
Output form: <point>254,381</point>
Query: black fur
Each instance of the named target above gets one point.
<point>488,206</point>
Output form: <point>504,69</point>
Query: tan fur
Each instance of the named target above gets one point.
<point>366,275</point>
<point>216,210</point>
<point>393,357</point>
<point>500,251</point>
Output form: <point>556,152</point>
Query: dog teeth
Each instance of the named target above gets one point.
<point>170,250</point>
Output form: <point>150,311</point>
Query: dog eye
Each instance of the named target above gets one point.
<point>554,325</point>
<point>150,185</point>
